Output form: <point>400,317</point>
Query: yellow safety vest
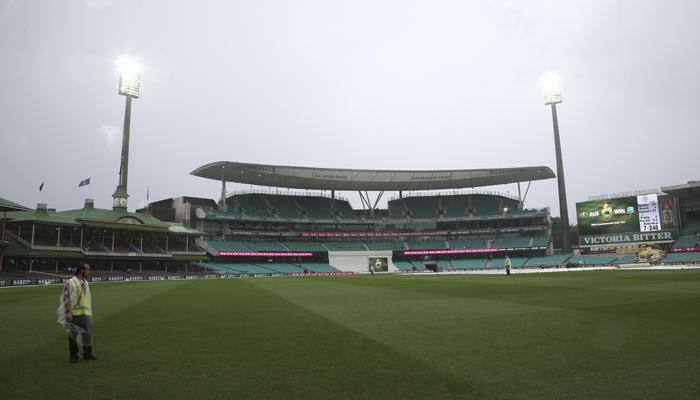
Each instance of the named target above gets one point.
<point>80,302</point>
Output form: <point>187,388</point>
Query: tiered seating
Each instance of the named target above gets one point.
<point>233,209</point>
<point>403,265</point>
<point>227,245</point>
<point>253,205</point>
<point>344,209</point>
<point>592,259</point>
<point>253,269</point>
<point>282,267</point>
<point>625,259</point>
<point>316,207</point>
<point>284,206</point>
<point>544,261</point>
<point>468,243</point>
<point>444,265</point>
<point>265,246</point>
<point>468,264</point>
<point>686,241</point>
<point>691,225</point>
<point>397,208</point>
<point>515,262</point>
<point>318,267</point>
<point>305,246</point>
<point>486,205</point>
<point>238,268</point>
<point>422,207</point>
<point>261,205</point>
<point>385,245</point>
<point>454,206</point>
<point>682,258</point>
<point>346,246</point>
<point>425,244</point>
<point>418,265</point>
<point>541,240</point>
<point>511,242</point>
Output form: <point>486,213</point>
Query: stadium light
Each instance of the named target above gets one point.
<point>552,88</point>
<point>552,97</point>
<point>130,75</point>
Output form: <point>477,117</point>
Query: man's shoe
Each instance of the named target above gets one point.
<point>89,357</point>
<point>73,360</point>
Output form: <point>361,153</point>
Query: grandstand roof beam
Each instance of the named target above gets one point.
<point>376,201</point>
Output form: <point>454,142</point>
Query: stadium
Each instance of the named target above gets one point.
<point>435,264</point>
<point>291,292</point>
<point>285,290</point>
<point>436,222</point>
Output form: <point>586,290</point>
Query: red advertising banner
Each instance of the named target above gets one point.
<point>449,251</point>
<point>265,254</point>
<point>685,249</point>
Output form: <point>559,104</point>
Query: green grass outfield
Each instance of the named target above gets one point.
<point>569,335</point>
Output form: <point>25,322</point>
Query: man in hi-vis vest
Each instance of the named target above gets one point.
<point>78,313</point>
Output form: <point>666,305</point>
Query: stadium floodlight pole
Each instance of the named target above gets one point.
<point>552,97</point>
<point>130,87</point>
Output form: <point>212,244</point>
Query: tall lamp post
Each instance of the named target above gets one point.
<point>130,87</point>
<point>552,97</point>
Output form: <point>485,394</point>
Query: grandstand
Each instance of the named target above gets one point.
<point>682,258</point>
<point>321,228</point>
<point>317,227</point>
<point>50,241</point>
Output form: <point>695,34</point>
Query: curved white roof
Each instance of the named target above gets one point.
<point>365,179</point>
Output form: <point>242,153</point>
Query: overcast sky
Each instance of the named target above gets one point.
<point>352,84</point>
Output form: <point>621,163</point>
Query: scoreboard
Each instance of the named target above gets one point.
<point>649,218</point>
<point>643,218</point>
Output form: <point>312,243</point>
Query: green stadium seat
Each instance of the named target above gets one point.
<point>403,265</point>
<point>516,262</point>
<point>624,259</point>
<point>306,246</point>
<point>593,259</point>
<point>469,264</point>
<point>468,243</point>
<point>253,205</point>
<point>687,241</point>
<point>545,261</point>
<point>265,246</point>
<point>541,240</point>
<point>316,207</point>
<point>385,245</point>
<point>317,267</point>
<point>283,206</point>
<point>281,267</point>
<point>345,246</point>
<point>431,244</point>
<point>418,266</point>
<point>503,242</point>
<point>691,258</point>
<point>222,245</point>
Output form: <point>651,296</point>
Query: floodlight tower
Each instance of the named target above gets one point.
<point>130,87</point>
<point>552,97</point>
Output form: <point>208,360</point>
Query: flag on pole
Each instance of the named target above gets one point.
<point>84,182</point>
<point>41,187</point>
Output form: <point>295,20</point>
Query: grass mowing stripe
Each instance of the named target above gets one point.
<point>542,351</point>
<point>226,339</point>
<point>611,334</point>
<point>31,323</point>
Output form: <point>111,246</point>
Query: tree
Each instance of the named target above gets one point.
<point>556,233</point>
